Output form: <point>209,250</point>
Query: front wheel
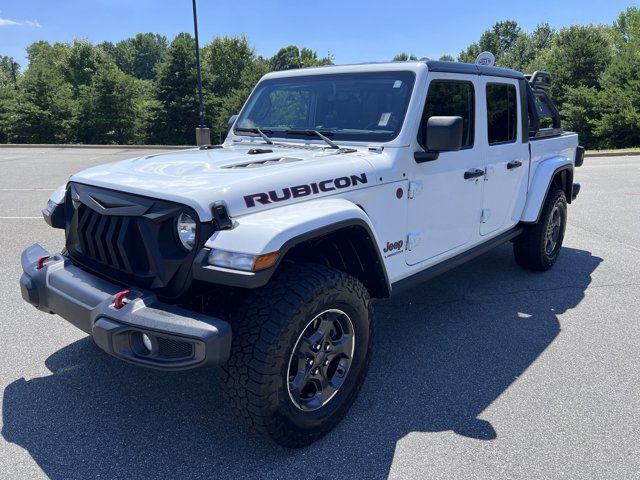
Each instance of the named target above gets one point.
<point>300,353</point>
<point>538,247</point>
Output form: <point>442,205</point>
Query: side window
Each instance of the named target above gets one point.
<point>545,114</point>
<point>502,113</point>
<point>451,98</point>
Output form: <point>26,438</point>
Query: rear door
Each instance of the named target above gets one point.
<point>506,161</point>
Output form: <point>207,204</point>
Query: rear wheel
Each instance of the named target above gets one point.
<point>538,247</point>
<point>300,353</point>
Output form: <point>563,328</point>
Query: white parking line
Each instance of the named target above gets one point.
<point>27,189</point>
<point>21,218</point>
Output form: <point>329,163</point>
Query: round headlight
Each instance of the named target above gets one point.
<point>187,230</point>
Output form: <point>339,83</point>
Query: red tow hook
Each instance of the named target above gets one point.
<point>41,261</point>
<point>118,303</point>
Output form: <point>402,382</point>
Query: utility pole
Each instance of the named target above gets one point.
<point>203,134</point>
<point>14,73</point>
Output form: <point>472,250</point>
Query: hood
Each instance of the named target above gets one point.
<point>245,180</point>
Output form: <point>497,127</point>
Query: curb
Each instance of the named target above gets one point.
<point>628,153</point>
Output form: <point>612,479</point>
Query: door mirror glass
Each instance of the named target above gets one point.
<point>232,120</point>
<point>444,134</point>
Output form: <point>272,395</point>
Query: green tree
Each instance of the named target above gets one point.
<point>138,56</point>
<point>80,61</point>
<point>619,122</point>
<point>500,40</point>
<point>9,73</point>
<point>108,108</point>
<point>233,102</point>
<point>175,115</point>
<point>292,57</point>
<point>580,112</point>
<point>224,59</point>
<point>45,112</point>
<point>403,57</point>
<point>503,36</point>
<point>578,57</point>
<point>527,47</point>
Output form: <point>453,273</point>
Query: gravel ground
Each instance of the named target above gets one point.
<point>486,372</point>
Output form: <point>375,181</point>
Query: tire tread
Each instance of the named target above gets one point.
<point>528,248</point>
<point>260,325</point>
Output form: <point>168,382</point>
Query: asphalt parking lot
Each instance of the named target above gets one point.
<point>486,372</point>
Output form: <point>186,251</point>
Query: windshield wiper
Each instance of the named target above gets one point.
<point>316,133</point>
<point>258,131</point>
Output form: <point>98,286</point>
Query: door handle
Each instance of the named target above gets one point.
<point>514,164</point>
<point>473,173</point>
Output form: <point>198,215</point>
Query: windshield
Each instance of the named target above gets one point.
<point>359,107</point>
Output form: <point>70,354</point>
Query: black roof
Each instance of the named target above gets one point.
<point>472,69</point>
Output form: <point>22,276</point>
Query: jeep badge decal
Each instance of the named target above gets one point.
<point>393,248</point>
<point>298,191</point>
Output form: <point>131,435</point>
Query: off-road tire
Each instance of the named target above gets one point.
<point>530,248</point>
<point>266,328</point>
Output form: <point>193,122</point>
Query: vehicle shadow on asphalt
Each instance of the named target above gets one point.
<point>444,352</point>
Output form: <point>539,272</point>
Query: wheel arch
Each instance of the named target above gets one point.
<point>348,246</point>
<point>556,172</point>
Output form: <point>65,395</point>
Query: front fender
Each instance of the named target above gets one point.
<point>540,185</point>
<point>278,230</point>
<point>268,231</point>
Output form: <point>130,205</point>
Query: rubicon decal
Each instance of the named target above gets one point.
<point>297,191</point>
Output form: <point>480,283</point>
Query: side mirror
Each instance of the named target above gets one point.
<point>232,120</point>
<point>442,134</point>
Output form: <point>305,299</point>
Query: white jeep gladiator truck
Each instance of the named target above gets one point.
<point>335,186</point>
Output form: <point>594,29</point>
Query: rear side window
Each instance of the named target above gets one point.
<point>502,113</point>
<point>545,114</point>
<point>451,98</point>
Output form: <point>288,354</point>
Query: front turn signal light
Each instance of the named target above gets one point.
<point>265,261</point>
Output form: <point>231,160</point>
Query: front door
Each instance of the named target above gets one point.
<point>445,209</point>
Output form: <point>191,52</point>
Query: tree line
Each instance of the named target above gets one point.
<point>595,71</point>
<point>143,89</point>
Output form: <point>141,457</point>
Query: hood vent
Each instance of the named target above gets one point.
<point>258,151</point>
<point>264,163</point>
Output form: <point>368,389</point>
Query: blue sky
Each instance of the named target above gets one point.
<point>352,30</point>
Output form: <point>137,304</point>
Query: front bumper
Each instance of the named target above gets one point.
<point>180,339</point>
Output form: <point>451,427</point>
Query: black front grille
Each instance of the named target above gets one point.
<point>111,240</point>
<point>130,239</point>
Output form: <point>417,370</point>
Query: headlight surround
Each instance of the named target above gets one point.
<point>187,226</point>
<point>53,213</point>
<point>241,261</point>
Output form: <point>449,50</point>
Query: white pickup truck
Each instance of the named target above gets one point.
<point>335,186</point>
